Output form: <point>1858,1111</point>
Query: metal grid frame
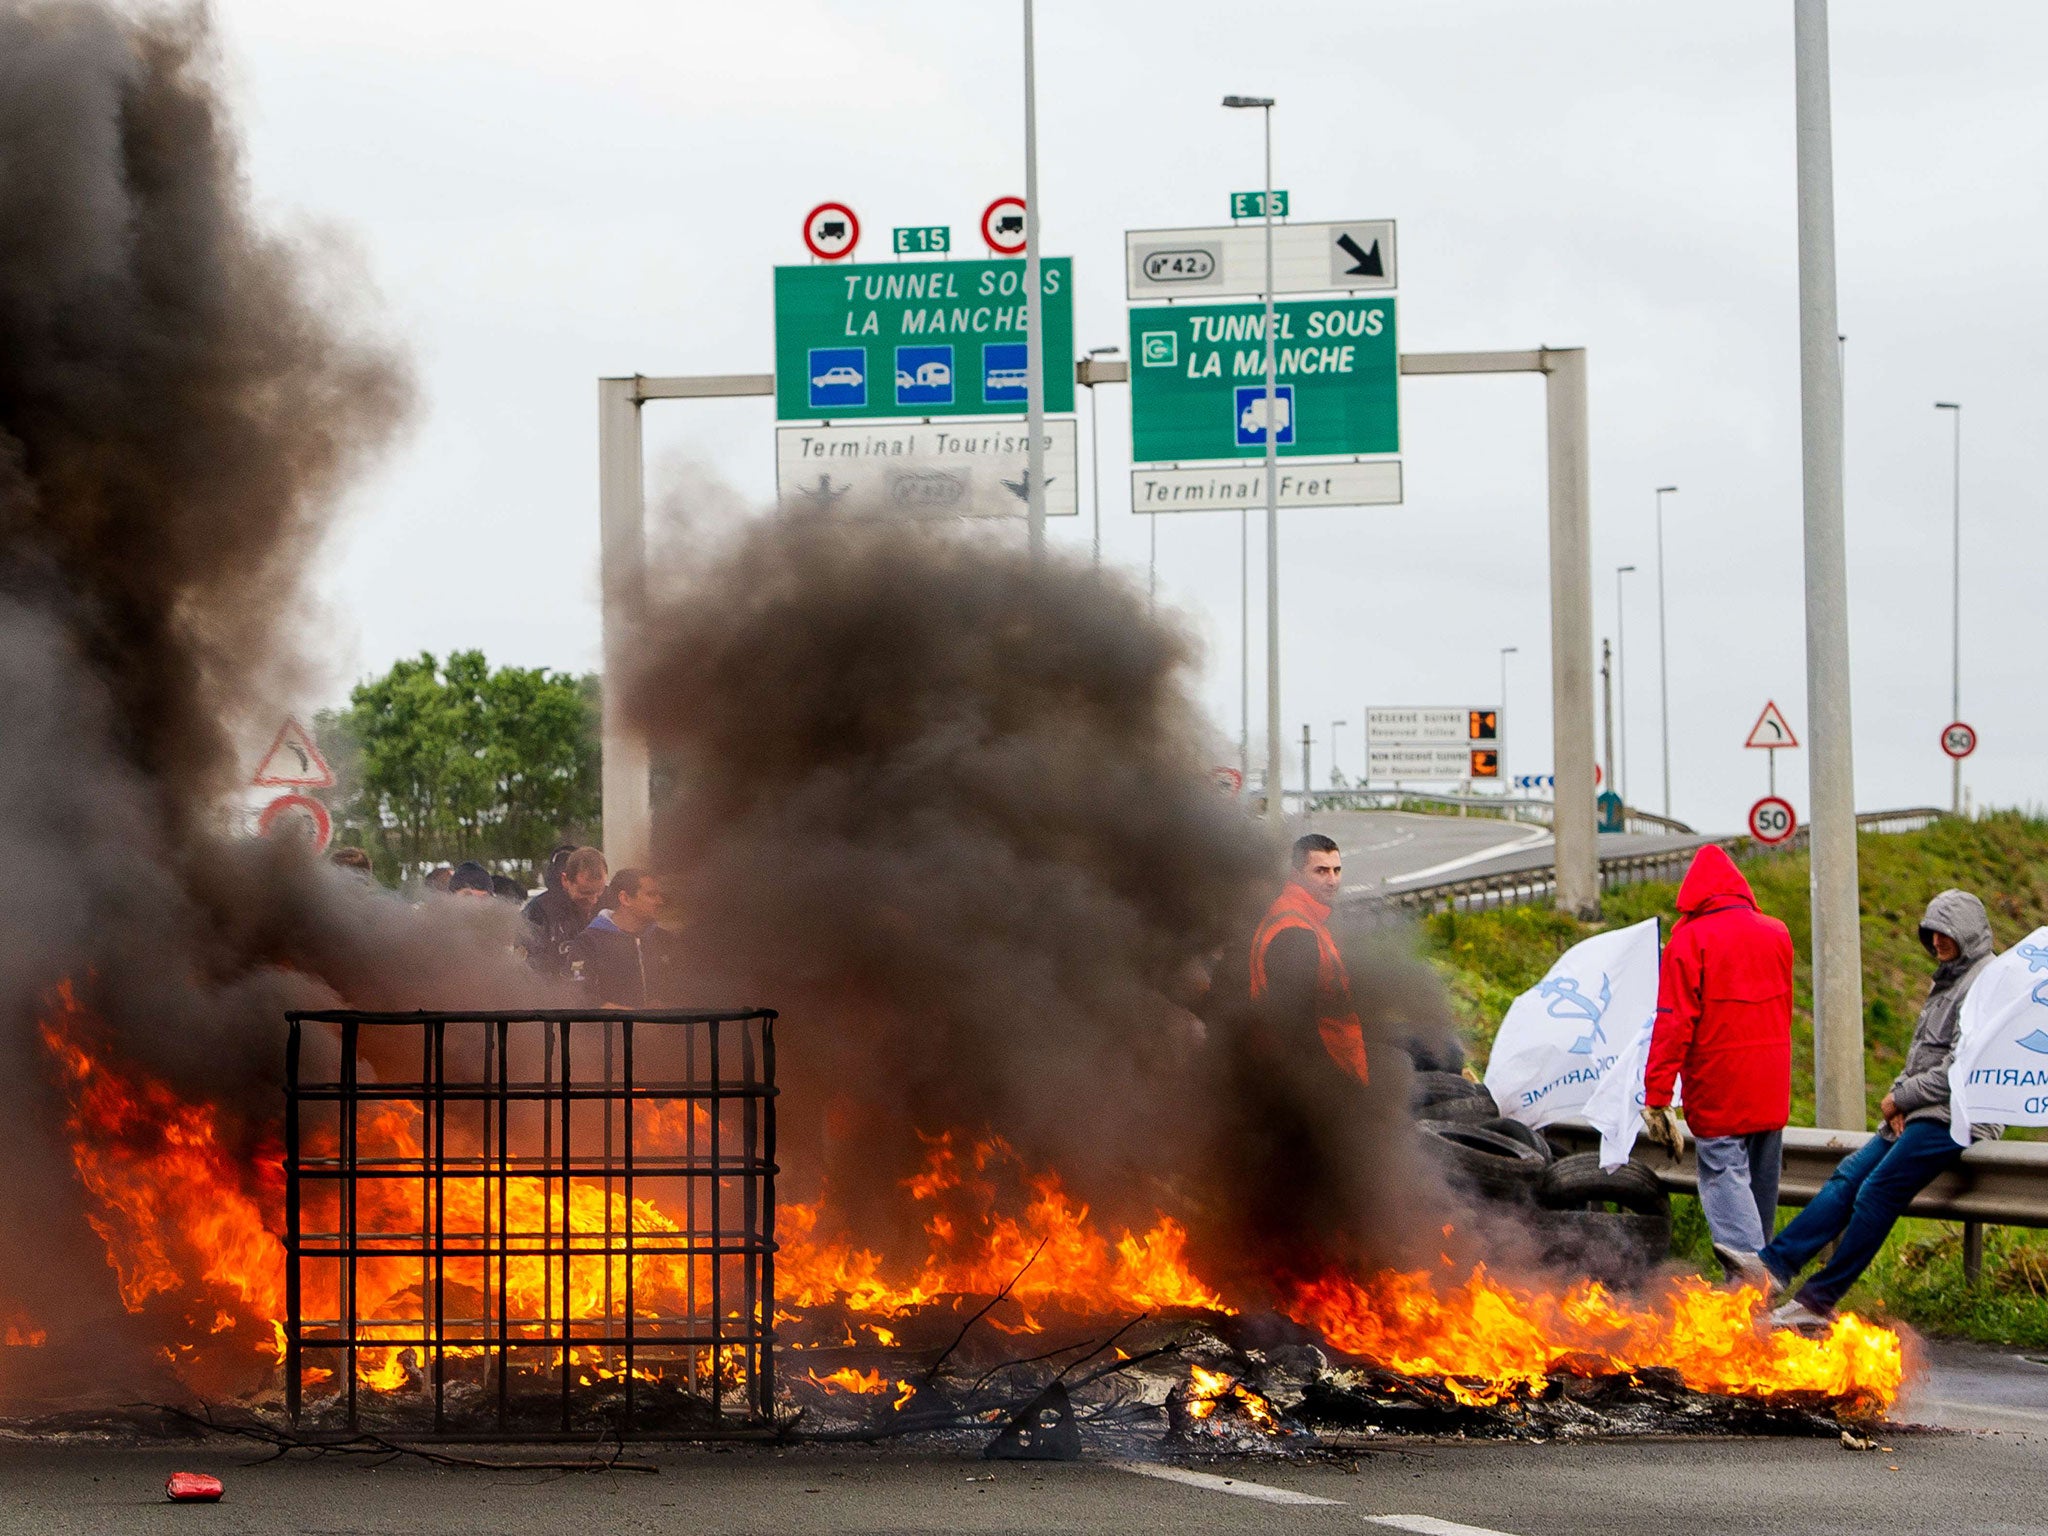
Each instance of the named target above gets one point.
<point>502,1104</point>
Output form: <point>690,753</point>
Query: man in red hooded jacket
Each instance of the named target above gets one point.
<point>1724,1026</point>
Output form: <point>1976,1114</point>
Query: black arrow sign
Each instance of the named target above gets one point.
<point>1367,262</point>
<point>1021,488</point>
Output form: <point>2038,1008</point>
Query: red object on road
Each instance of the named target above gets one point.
<point>192,1488</point>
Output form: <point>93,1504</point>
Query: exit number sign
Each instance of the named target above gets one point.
<point>1252,205</point>
<point>923,239</point>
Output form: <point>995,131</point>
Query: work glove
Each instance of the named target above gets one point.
<point>1663,1128</point>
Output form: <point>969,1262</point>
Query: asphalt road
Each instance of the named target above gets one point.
<point>1957,1481</point>
<point>1384,849</point>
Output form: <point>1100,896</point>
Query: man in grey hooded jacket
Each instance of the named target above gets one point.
<point>1873,1186</point>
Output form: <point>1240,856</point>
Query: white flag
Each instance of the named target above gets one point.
<point>1616,1107</point>
<point>1561,1037</point>
<point>1999,1075</point>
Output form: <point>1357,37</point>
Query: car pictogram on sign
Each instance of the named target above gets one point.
<point>838,377</point>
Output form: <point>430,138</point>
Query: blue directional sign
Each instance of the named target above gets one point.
<point>838,377</point>
<point>1003,365</point>
<point>924,375</point>
<point>1251,415</point>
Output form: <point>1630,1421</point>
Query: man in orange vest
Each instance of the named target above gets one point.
<point>1298,979</point>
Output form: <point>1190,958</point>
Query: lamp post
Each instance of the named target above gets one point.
<point>1095,447</point>
<point>1955,676</point>
<point>1621,676</point>
<point>1275,810</point>
<point>1830,758</point>
<point>1244,644</point>
<point>1507,784</point>
<point>1034,310</point>
<point>1335,727</point>
<point>1663,658</point>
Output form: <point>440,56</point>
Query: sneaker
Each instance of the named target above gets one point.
<point>1745,1267</point>
<point>1800,1318</point>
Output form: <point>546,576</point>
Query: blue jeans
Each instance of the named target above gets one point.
<point>1867,1193</point>
<point>1739,1186</point>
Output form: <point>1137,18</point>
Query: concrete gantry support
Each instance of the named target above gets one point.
<point>622,527</point>
<point>1571,601</point>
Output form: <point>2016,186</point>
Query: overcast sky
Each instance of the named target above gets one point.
<point>546,194</point>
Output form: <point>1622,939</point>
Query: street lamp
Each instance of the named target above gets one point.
<point>1275,811</point>
<point>1034,310</point>
<point>1663,660</point>
<point>1955,678</point>
<point>1500,756</point>
<point>1621,676</point>
<point>1095,446</point>
<point>1335,727</point>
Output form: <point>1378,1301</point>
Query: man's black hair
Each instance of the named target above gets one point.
<point>1313,842</point>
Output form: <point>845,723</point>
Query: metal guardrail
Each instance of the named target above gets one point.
<point>1360,798</point>
<point>1519,887</point>
<point>2001,1183</point>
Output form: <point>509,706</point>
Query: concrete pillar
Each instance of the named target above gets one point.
<point>621,499</point>
<point>1831,793</point>
<point>1571,632</point>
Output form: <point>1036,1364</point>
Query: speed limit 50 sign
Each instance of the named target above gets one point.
<point>1771,820</point>
<point>1958,740</point>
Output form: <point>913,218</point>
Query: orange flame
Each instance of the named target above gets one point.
<point>1207,1389</point>
<point>191,1223</point>
<point>975,1248</point>
<point>1488,1339</point>
<point>182,1215</point>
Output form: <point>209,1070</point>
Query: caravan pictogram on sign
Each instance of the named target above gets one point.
<point>1771,730</point>
<point>293,761</point>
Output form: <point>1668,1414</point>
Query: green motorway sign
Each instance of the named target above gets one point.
<point>1252,205</point>
<point>917,338</point>
<point>1198,380</point>
<point>922,239</point>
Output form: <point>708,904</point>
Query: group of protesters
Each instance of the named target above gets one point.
<point>1722,1034</point>
<point>600,931</point>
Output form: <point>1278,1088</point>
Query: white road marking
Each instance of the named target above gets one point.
<point>1214,1484</point>
<point>1429,1525</point>
<point>1528,839</point>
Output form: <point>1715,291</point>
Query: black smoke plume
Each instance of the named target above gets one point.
<point>182,397</point>
<point>952,813</point>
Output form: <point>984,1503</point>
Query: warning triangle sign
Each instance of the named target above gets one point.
<point>1771,730</point>
<point>293,761</point>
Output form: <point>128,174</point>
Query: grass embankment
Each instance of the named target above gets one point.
<point>1488,958</point>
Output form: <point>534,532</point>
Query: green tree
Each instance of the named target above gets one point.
<point>457,761</point>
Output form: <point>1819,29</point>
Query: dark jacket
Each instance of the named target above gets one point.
<point>1724,1007</point>
<point>623,969</point>
<point>1921,1090</point>
<point>555,922</point>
